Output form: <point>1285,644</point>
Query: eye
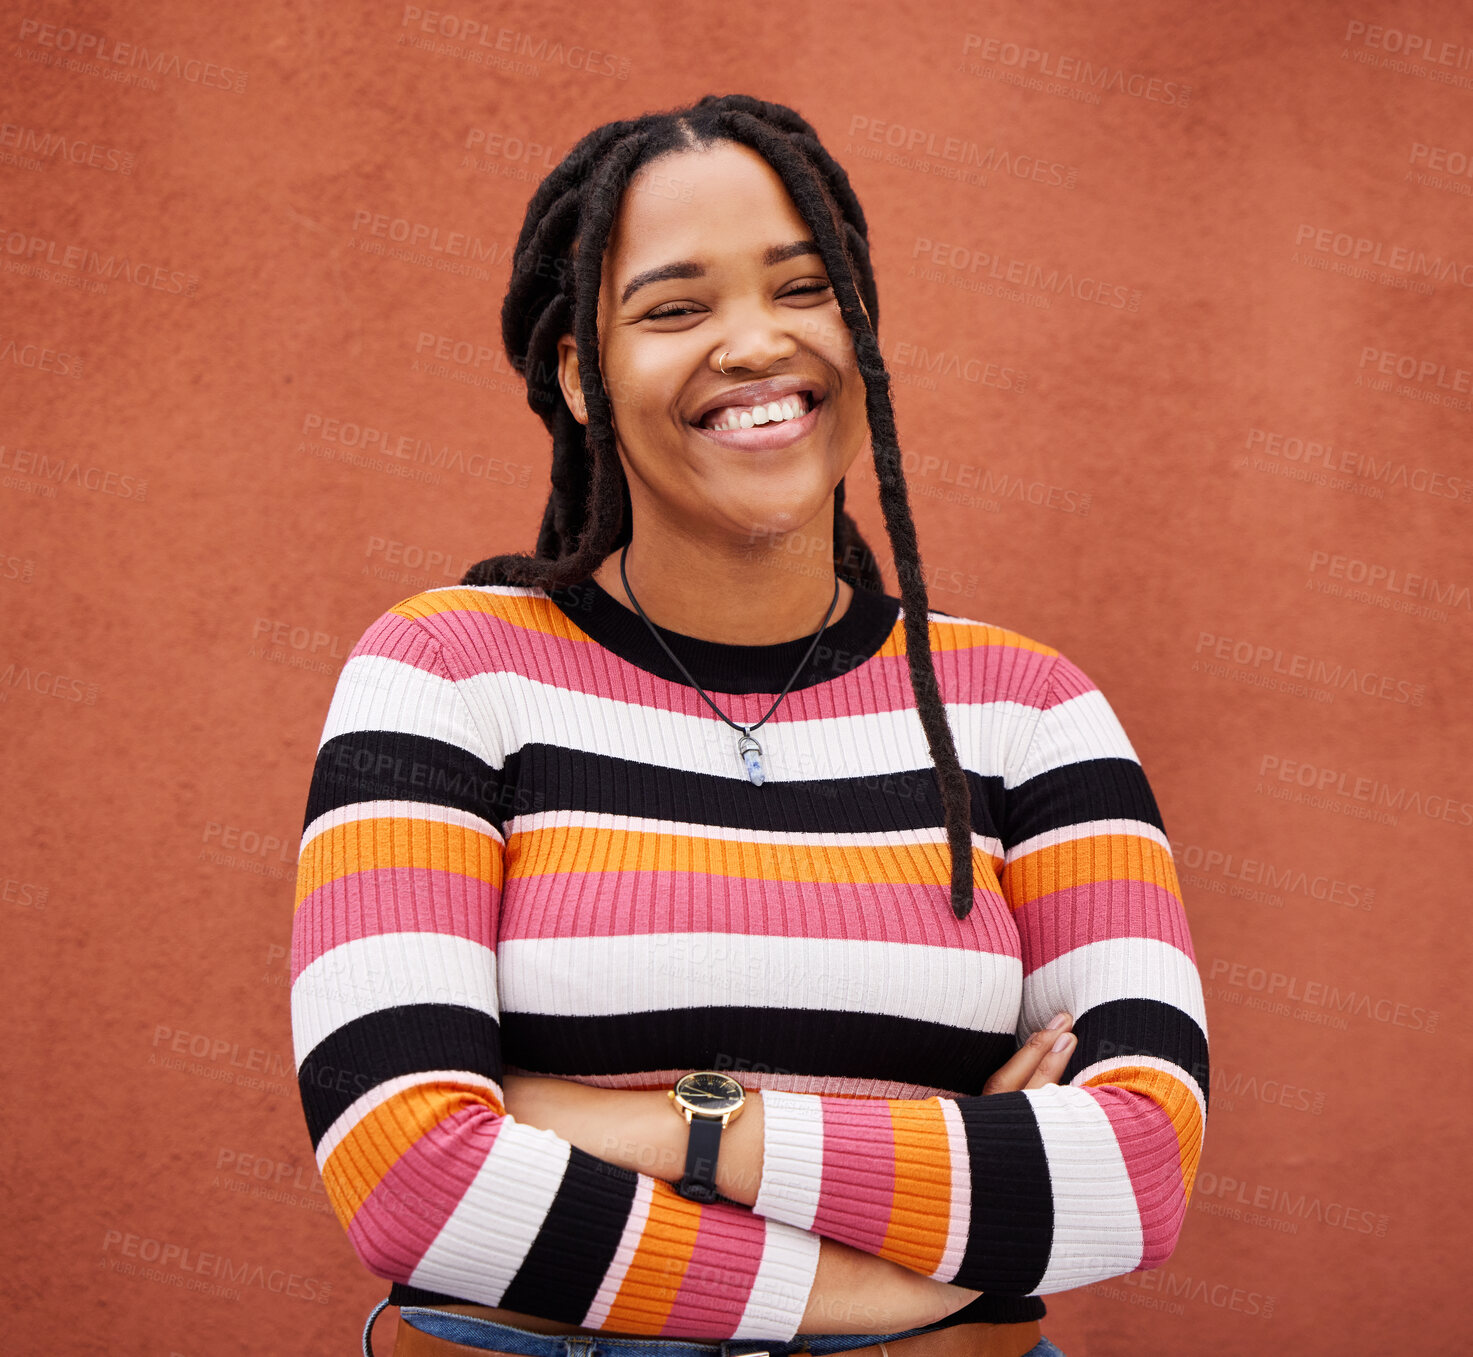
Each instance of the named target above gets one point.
<point>671,310</point>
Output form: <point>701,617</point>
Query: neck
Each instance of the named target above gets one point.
<point>753,596</point>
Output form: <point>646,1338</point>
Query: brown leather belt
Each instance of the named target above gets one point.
<point>959,1340</point>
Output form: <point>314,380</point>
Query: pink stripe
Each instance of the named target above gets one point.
<point>382,900</point>
<point>882,684</point>
<point>1148,1142</point>
<point>1054,924</point>
<point>720,1276</point>
<point>392,637</point>
<point>612,903</point>
<point>657,1081</point>
<point>404,1214</point>
<point>1067,680</point>
<point>857,1193</point>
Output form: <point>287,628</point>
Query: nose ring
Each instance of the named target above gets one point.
<point>721,363</point>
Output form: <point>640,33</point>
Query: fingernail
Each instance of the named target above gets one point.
<point>1059,1020</point>
<point>1063,1043</point>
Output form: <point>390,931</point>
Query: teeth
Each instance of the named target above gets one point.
<point>774,412</point>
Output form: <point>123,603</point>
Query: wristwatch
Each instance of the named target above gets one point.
<point>707,1099</point>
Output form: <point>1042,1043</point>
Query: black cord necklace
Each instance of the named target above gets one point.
<point>748,749</point>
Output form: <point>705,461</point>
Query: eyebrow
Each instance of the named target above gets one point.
<point>690,268</point>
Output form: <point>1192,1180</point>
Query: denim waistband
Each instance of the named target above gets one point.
<point>485,1333</point>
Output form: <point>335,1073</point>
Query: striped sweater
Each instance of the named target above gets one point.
<point>530,846</point>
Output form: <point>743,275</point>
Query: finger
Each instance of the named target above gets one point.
<point>1025,1062</point>
<point>1051,1068</point>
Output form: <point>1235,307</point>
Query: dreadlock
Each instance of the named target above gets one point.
<point>554,289</point>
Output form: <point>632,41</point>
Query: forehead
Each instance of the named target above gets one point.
<point>723,205</point>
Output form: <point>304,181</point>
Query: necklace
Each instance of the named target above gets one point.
<point>748,750</point>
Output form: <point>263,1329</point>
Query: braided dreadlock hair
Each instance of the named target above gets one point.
<point>554,289</point>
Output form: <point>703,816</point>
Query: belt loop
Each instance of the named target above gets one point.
<point>579,1345</point>
<point>368,1328</point>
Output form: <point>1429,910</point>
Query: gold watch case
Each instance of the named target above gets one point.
<point>708,1094</point>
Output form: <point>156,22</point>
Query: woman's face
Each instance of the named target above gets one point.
<point>717,214</point>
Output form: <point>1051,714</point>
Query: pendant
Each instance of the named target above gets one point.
<point>751,753</point>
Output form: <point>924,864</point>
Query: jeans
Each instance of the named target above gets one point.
<point>484,1333</point>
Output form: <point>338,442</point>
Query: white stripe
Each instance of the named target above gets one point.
<point>409,810</point>
<point>1083,727</point>
<point>372,974</point>
<point>604,976</point>
<point>1083,829</point>
<point>1114,968</point>
<point>780,1290</point>
<point>486,1238</point>
<point>792,1158</point>
<point>985,731</point>
<point>377,693</point>
<point>1150,1062</point>
<point>379,1094</point>
<point>628,1246</point>
<point>1097,1227</point>
<point>638,824</point>
<point>959,1222</point>
<point>867,745</point>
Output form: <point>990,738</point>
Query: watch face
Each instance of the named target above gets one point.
<point>709,1093</point>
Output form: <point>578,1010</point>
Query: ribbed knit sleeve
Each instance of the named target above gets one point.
<point>395,1028</point>
<point>1043,1190</point>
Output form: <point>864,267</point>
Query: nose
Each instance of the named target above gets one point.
<point>755,346</point>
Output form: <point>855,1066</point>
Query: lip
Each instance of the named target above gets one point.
<point>774,388</point>
<point>766,437</point>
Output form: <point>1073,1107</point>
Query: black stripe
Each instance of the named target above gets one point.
<point>1012,1222</point>
<point>992,1309</point>
<point>1092,789</point>
<point>361,1054</point>
<point>389,765</point>
<point>720,667</point>
<point>1134,1027</point>
<point>562,779</point>
<point>561,1274</point>
<point>760,1040</point>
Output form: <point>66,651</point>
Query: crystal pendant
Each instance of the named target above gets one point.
<point>751,753</point>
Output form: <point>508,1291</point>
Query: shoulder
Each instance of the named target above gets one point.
<point>979,662</point>
<point>993,660</point>
<point>468,625</point>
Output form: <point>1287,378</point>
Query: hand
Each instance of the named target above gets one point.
<point>1037,1063</point>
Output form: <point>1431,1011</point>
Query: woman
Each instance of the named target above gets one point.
<point>670,807</point>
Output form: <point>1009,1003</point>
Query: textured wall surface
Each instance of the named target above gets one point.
<point>1176,304</point>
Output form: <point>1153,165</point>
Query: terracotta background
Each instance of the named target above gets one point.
<point>187,556</point>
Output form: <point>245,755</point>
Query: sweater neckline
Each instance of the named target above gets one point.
<point>722,668</point>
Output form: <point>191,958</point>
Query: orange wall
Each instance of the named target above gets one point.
<point>1225,487</point>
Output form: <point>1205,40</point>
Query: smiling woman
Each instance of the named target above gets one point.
<point>611,1023</point>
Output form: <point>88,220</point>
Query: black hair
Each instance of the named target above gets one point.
<point>555,280</point>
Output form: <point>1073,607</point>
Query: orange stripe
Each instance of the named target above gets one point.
<point>952,635</point>
<point>397,841</point>
<point>916,1238</point>
<point>379,1140</point>
<point>1085,861</point>
<point>1174,1098</point>
<point>661,1260</point>
<point>598,849</point>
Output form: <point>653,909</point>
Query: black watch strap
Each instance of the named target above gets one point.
<point>699,1183</point>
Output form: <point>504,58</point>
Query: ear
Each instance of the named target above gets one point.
<point>568,378</point>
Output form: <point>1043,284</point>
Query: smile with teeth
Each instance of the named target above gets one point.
<point>734,417</point>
